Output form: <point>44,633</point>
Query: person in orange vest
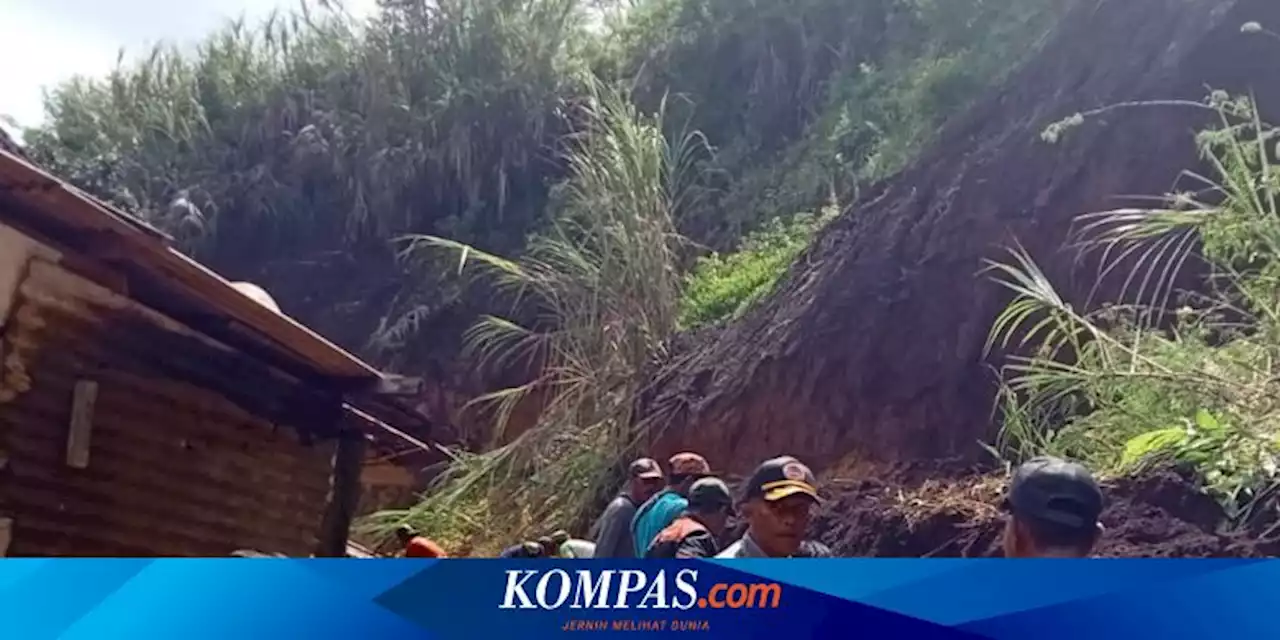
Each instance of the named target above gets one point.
<point>416,546</point>
<point>697,531</point>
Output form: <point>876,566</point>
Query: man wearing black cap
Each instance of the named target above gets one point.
<point>696,533</point>
<point>776,502</point>
<point>1054,507</point>
<point>613,529</point>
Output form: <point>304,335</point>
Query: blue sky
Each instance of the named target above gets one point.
<point>43,42</point>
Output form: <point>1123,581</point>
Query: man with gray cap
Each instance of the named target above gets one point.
<point>613,530</point>
<point>696,532</point>
<point>1053,507</point>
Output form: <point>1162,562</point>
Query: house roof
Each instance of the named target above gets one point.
<point>124,237</point>
<point>164,278</point>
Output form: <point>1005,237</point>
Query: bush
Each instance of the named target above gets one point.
<point>722,286</point>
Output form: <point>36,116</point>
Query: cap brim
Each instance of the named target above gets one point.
<point>791,489</point>
<point>695,473</point>
<point>650,475</point>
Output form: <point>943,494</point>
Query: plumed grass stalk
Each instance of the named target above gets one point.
<point>604,281</point>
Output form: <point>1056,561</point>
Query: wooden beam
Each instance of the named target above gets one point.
<point>80,432</point>
<point>6,536</point>
<point>190,356</point>
<point>344,497</point>
<point>395,385</point>
<point>16,249</point>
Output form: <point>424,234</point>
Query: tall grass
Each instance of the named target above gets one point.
<point>808,97</point>
<point>314,136</point>
<point>269,149</point>
<point>1164,374</point>
<point>604,282</point>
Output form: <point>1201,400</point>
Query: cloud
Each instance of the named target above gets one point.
<point>39,51</point>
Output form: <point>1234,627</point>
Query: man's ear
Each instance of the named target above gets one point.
<point>1014,538</point>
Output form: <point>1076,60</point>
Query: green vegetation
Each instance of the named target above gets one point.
<point>314,135</point>
<point>723,286</point>
<point>605,277</point>
<point>1168,376</point>
<point>480,129</point>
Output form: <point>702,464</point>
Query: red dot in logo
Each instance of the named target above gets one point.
<point>702,603</point>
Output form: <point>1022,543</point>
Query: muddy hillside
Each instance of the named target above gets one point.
<point>1161,514</point>
<point>871,347</point>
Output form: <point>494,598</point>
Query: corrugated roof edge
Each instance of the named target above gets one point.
<point>149,250</point>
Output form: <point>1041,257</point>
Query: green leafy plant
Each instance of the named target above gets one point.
<point>1137,382</point>
<point>722,286</point>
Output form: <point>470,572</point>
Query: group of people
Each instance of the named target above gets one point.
<point>687,512</point>
<point>1053,508</point>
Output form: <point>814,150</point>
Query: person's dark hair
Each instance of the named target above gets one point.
<point>676,480</point>
<point>712,509</point>
<point>1051,535</point>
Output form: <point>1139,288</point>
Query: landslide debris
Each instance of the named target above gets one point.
<point>1158,514</point>
<point>871,347</point>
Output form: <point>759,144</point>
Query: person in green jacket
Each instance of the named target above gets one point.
<point>662,509</point>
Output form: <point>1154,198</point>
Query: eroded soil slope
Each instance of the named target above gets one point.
<point>1158,514</point>
<point>872,344</point>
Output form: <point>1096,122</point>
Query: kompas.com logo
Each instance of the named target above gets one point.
<point>614,589</point>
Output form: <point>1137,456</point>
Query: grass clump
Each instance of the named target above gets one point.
<point>604,282</point>
<point>1169,375</point>
<point>723,286</point>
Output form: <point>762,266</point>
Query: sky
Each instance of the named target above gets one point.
<point>44,42</point>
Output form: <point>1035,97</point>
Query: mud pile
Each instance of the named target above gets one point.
<point>1160,514</point>
<point>872,345</point>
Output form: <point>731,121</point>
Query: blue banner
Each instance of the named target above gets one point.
<point>789,599</point>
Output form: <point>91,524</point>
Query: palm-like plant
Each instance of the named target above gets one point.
<point>605,283</point>
<point>1129,383</point>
